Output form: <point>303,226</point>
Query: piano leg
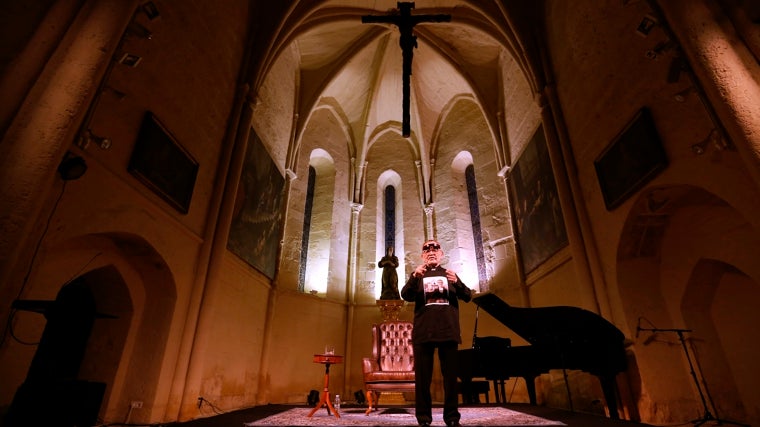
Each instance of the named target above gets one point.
<point>609,387</point>
<point>530,383</point>
<point>498,390</point>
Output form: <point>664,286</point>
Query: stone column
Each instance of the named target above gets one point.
<point>725,68</point>
<point>353,254</point>
<point>429,209</point>
<point>206,289</point>
<point>421,182</point>
<point>47,122</point>
<point>353,251</point>
<point>579,237</point>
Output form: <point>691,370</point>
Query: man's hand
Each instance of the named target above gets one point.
<point>451,276</point>
<point>420,270</point>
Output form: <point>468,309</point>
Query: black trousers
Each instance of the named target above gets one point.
<point>423,377</point>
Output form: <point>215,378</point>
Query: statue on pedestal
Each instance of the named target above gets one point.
<point>389,263</point>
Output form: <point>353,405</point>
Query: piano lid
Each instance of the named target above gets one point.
<point>552,326</point>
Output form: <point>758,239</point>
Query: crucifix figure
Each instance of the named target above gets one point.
<point>405,22</point>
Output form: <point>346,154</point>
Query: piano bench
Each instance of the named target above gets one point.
<point>473,392</point>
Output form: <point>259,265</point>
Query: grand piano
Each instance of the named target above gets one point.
<point>562,337</point>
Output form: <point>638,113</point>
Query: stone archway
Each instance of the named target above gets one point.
<point>685,256</point>
<point>128,279</point>
<point>53,392</point>
<point>719,303</point>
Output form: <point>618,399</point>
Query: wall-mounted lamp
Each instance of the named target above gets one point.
<point>150,10</point>
<point>503,172</point>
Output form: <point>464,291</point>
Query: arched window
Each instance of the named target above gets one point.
<point>390,216</point>
<point>389,226</point>
<point>477,233</point>
<point>308,205</point>
<point>468,255</point>
<point>316,241</point>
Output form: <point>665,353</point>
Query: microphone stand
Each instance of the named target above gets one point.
<point>475,332</point>
<point>708,416</point>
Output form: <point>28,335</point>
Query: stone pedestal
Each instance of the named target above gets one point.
<point>390,308</point>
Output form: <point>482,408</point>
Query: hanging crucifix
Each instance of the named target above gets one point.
<point>405,22</point>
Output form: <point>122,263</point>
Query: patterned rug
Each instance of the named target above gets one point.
<point>475,416</point>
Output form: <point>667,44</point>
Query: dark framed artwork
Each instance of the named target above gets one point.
<point>162,164</point>
<point>541,229</point>
<point>258,218</point>
<point>632,159</point>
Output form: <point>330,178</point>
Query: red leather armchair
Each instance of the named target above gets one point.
<point>391,367</point>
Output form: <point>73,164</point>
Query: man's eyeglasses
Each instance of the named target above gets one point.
<point>431,247</point>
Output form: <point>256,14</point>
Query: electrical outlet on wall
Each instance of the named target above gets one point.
<point>136,404</point>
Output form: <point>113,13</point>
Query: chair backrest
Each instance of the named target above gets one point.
<point>392,346</point>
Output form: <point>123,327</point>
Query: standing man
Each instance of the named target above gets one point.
<point>436,326</point>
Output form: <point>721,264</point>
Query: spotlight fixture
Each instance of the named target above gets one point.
<point>645,26</point>
<point>699,148</point>
<point>140,31</point>
<point>312,398</point>
<point>150,10</point>
<point>681,95</point>
<point>660,48</point>
<point>87,137</point>
<point>713,138</point>
<point>130,60</point>
<point>117,93</point>
<point>101,141</point>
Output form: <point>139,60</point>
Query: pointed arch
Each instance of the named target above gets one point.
<point>387,221</point>
<point>318,226</point>
<point>679,265</point>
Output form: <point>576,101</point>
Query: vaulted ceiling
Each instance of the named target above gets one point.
<point>355,68</point>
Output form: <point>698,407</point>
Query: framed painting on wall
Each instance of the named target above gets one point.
<point>162,164</point>
<point>258,219</point>
<point>535,205</point>
<point>634,157</point>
